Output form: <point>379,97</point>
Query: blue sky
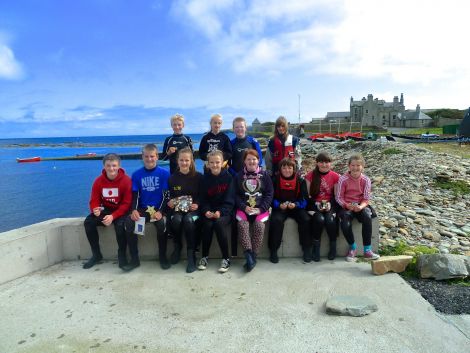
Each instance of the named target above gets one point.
<point>116,67</point>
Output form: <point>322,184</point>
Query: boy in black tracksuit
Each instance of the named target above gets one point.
<point>175,142</point>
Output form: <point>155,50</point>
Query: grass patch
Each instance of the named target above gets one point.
<point>450,148</point>
<point>392,150</point>
<point>401,248</point>
<point>419,131</point>
<point>459,281</point>
<point>458,187</point>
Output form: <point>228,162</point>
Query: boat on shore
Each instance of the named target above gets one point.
<point>27,160</point>
<point>333,137</point>
<point>423,138</point>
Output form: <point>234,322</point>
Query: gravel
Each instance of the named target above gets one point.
<point>444,297</point>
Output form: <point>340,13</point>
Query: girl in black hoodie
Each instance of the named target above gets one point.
<point>216,209</point>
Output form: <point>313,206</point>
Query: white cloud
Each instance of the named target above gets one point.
<point>10,69</point>
<point>408,42</point>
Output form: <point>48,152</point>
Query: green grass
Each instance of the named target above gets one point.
<point>401,248</point>
<point>450,148</point>
<point>424,130</point>
<point>392,150</point>
<point>458,187</point>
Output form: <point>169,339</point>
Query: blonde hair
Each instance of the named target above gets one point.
<point>238,119</point>
<point>177,117</point>
<point>187,150</point>
<point>357,157</point>
<point>216,116</point>
<point>215,153</point>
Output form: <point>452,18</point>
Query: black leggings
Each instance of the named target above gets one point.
<point>322,220</point>
<point>184,221</point>
<point>364,216</point>
<point>219,225</point>
<point>276,226</point>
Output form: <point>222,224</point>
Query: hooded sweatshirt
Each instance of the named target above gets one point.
<point>115,195</point>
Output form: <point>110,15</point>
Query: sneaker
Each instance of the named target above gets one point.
<point>351,256</point>
<point>370,255</point>
<point>224,265</point>
<point>203,263</point>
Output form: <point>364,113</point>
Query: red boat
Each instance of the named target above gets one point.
<point>31,159</point>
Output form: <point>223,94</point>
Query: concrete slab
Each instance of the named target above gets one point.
<point>275,308</point>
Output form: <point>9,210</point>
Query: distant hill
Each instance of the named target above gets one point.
<point>445,113</point>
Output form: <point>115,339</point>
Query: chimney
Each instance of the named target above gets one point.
<point>418,110</point>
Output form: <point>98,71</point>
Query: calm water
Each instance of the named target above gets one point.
<point>35,192</point>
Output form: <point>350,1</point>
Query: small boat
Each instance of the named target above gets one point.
<point>30,159</point>
<point>84,155</point>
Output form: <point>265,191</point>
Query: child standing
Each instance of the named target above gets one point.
<point>321,184</point>
<point>184,205</point>
<point>109,202</point>
<point>353,195</point>
<point>215,140</point>
<point>176,142</point>
<point>282,145</point>
<point>240,143</point>
<point>290,200</point>
<point>216,209</point>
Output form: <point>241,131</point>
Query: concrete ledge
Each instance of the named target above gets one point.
<point>41,245</point>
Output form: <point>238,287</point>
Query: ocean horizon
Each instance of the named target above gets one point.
<point>39,191</point>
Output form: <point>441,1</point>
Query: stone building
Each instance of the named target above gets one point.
<point>377,112</point>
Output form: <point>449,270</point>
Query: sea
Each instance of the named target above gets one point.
<point>39,191</point>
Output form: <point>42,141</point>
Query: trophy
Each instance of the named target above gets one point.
<point>151,211</point>
<point>183,203</point>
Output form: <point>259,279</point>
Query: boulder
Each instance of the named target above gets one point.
<point>443,266</point>
<point>349,305</point>
<point>386,264</point>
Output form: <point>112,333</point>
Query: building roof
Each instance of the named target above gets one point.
<point>414,115</point>
<point>256,121</point>
<point>337,115</point>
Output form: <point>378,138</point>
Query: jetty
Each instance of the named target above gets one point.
<point>53,305</point>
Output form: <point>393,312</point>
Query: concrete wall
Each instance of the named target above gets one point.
<point>41,245</point>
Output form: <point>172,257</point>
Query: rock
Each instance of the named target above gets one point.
<point>378,179</point>
<point>386,264</point>
<point>403,231</point>
<point>432,236</point>
<point>401,209</point>
<point>446,233</point>
<point>424,212</point>
<point>443,266</point>
<point>390,223</point>
<point>349,305</point>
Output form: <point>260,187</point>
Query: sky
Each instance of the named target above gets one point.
<point>122,67</point>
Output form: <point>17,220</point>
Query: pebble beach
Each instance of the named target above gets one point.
<point>410,206</point>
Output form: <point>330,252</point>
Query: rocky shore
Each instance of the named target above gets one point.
<point>410,206</point>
